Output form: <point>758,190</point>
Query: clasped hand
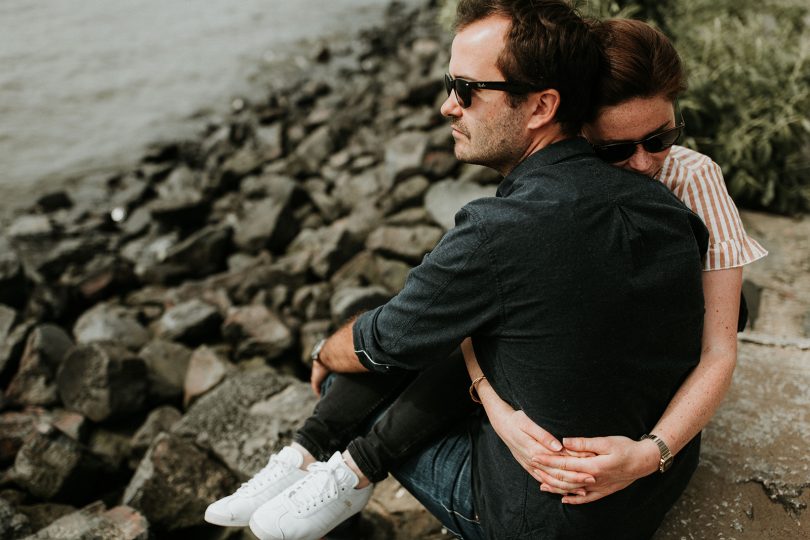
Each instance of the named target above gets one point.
<point>581,469</point>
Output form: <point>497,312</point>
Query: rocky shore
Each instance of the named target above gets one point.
<point>155,330</point>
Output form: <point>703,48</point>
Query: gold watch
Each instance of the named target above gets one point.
<point>666,456</point>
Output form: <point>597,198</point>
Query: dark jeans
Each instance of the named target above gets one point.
<point>440,477</point>
<point>420,407</point>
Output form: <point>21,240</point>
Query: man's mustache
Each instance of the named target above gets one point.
<point>458,126</point>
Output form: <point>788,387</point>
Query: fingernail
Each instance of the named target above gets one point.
<point>567,442</point>
<point>590,480</point>
<point>565,500</point>
<point>556,446</point>
<point>543,488</point>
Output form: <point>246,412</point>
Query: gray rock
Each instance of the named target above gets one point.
<point>406,243</point>
<point>326,248</point>
<point>34,383</point>
<point>206,369</point>
<point>392,274</point>
<point>175,482</point>
<point>440,164</point>
<point>256,331</point>
<point>350,301</point>
<point>15,429</point>
<point>112,445</point>
<point>478,174</point>
<point>406,193</point>
<point>94,522</point>
<point>312,301</point>
<point>51,465</point>
<point>361,190</point>
<point>243,162</point>
<point>405,153</point>
<point>444,199</point>
<point>159,420</point>
<point>13,524</point>
<point>180,198</point>
<point>11,349</point>
<point>110,322</point>
<point>166,365</point>
<point>8,317</point>
<point>271,140</point>
<point>315,149</point>
<point>191,322</point>
<point>102,380</point>
<point>267,224</point>
<point>31,226</point>
<point>221,421</point>
<point>101,277</point>
<point>201,254</point>
<point>71,423</point>
<point>12,280</point>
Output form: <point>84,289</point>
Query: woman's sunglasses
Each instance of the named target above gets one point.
<point>464,88</point>
<point>657,142</point>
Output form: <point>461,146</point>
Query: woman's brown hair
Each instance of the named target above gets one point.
<point>640,62</point>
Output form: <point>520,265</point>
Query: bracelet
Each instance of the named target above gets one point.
<point>474,388</point>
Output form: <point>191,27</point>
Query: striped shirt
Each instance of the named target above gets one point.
<point>698,182</point>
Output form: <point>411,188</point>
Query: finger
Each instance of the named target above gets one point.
<point>572,477</point>
<point>540,435</point>
<point>597,445</point>
<point>574,453</point>
<point>552,480</point>
<point>551,489</point>
<point>583,499</point>
<point>586,465</point>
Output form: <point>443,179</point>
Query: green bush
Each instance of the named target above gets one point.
<point>749,95</point>
<point>748,103</point>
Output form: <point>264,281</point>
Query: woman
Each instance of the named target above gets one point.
<point>627,113</point>
<point>636,122</point>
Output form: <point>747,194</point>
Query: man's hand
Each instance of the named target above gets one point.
<point>617,463</point>
<point>337,354</point>
<point>319,373</point>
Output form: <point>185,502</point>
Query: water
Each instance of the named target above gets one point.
<point>85,85</point>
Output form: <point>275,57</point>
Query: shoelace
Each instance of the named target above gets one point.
<point>318,486</point>
<point>274,469</point>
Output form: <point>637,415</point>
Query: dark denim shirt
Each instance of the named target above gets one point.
<point>580,284</point>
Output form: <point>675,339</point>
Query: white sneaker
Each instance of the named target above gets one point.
<point>312,507</point>
<point>281,471</point>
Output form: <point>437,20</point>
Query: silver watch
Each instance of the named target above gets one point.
<point>315,355</point>
<point>666,456</point>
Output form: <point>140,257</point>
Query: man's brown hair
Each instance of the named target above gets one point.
<point>549,45</point>
<point>641,62</point>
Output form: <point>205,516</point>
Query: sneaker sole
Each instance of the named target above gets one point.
<point>260,533</point>
<point>224,521</point>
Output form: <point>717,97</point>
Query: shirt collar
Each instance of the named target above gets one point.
<point>551,154</point>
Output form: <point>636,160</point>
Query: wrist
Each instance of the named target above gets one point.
<point>650,456</point>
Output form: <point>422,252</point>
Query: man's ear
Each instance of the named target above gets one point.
<point>546,102</point>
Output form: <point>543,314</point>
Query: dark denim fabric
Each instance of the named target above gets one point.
<point>580,285</point>
<point>387,417</point>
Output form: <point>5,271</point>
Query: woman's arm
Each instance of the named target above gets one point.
<point>621,460</point>
<point>524,438</point>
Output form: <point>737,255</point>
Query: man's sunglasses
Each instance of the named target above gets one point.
<point>657,142</point>
<point>464,88</point>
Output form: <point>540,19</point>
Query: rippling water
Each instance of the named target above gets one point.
<point>86,84</point>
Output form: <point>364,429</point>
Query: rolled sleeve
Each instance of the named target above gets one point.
<point>448,297</point>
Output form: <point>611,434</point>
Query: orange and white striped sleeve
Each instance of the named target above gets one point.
<point>705,193</point>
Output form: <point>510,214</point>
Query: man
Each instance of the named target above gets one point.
<point>579,284</point>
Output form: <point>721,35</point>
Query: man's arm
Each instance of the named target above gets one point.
<point>451,295</point>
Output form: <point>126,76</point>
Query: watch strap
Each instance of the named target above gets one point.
<point>665,462</point>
